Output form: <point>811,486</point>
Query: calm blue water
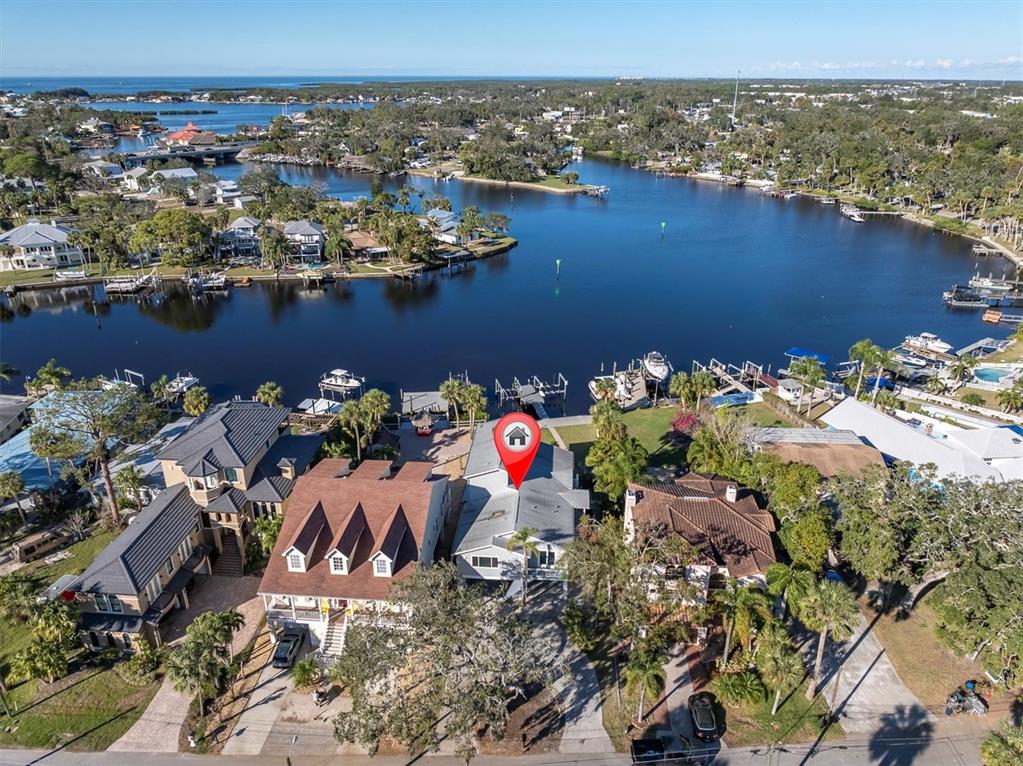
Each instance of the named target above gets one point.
<point>735,276</point>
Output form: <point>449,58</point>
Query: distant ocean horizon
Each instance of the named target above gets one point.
<point>115,86</point>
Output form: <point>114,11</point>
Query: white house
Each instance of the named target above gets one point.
<point>241,237</point>
<point>306,239</point>
<point>134,180</point>
<point>493,510</point>
<point>39,246</point>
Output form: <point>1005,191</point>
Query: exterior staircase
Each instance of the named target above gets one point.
<point>229,562</point>
<point>334,640</point>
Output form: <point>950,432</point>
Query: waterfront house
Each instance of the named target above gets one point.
<point>443,224</point>
<point>37,245</point>
<point>831,451</point>
<point>306,238</point>
<point>731,533</point>
<point>162,180</point>
<point>979,454</point>
<point>241,237</point>
<point>104,169</point>
<point>190,135</point>
<point>226,192</point>
<point>238,462</point>
<point>143,576</point>
<point>493,510</point>
<point>347,537</point>
<point>96,127</point>
<point>134,180</point>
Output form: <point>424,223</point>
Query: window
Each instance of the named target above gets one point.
<point>185,549</point>
<point>231,474</point>
<point>169,566</point>
<point>153,589</point>
<point>546,558</point>
<point>484,562</point>
<point>115,604</point>
<point>211,482</point>
<point>382,567</point>
<point>295,563</point>
<point>101,602</point>
<point>338,565</point>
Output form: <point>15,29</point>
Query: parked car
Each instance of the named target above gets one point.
<point>287,648</point>
<point>701,709</point>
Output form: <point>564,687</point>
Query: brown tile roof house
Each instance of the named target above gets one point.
<point>722,521</point>
<point>831,451</point>
<point>348,536</point>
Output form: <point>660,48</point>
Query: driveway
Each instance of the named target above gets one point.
<point>869,689</point>
<point>159,727</point>
<point>260,714</point>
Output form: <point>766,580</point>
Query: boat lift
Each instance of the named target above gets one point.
<point>535,393</point>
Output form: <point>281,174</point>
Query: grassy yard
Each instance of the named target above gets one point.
<point>917,655</point>
<point>760,414</point>
<point>557,182</point>
<point>796,721</point>
<point>988,396</point>
<point>86,710</point>
<point>1014,353</point>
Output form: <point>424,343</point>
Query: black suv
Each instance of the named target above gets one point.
<point>701,708</point>
<point>287,648</point>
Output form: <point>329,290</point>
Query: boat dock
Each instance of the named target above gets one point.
<point>340,382</point>
<point>983,250</point>
<point>535,393</point>
<point>746,379</point>
<point>597,191</point>
<point>997,316</point>
<point>132,285</point>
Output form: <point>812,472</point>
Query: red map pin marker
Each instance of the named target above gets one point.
<point>517,437</point>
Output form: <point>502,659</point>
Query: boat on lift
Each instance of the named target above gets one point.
<point>910,361</point>
<point>852,213</point>
<point>927,341</point>
<point>964,298</point>
<point>656,367</point>
<point>181,383</point>
<point>989,283</point>
<point>827,200</point>
<point>341,380</point>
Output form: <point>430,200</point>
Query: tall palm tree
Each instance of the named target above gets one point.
<point>936,385</point>
<point>606,414</point>
<point>789,583</point>
<point>1011,399</point>
<point>680,386</point>
<point>645,671</point>
<point>270,394</point>
<point>780,667</point>
<point>337,247</point>
<point>810,373</point>
<point>883,359</point>
<point>862,351</point>
<point>128,482</point>
<point>374,406</point>
<point>197,401</point>
<point>474,399</point>
<point>741,607</point>
<point>350,418</point>
<point>605,388</point>
<point>523,539</point>
<point>703,383</point>
<point>829,608</point>
<point>451,390</point>
<point>160,389</point>
<point>963,366</point>
<point>50,375</point>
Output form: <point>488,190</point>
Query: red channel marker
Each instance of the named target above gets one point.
<point>517,437</point>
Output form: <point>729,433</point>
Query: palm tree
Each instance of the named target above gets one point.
<point>606,415</point>
<point>739,688</point>
<point>7,372</point>
<point>862,351</point>
<point>780,667</point>
<point>828,608</point>
<point>809,372</point>
<point>374,406</point>
<point>703,383</point>
<point>605,388</point>
<point>451,390</point>
<point>883,359</point>
<point>271,394</point>
<point>523,538</point>
<point>160,389</point>
<point>936,385</point>
<point>962,366</point>
<point>337,247</point>
<point>741,607</point>
<point>197,401</point>
<point>50,375</point>
<point>12,486</point>
<point>680,386</point>
<point>1011,399</point>
<point>474,399</point>
<point>350,418</point>
<point>645,671</point>
<point>789,583</point>
<point>128,482</point>
<point>1003,747</point>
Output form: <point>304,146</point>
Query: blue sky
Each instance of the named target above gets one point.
<point>975,40</point>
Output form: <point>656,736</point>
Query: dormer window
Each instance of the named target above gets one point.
<point>382,567</point>
<point>296,562</point>
<point>338,564</point>
<point>231,475</point>
<point>211,482</point>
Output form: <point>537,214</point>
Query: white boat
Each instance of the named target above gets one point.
<point>181,383</point>
<point>827,200</point>
<point>213,281</point>
<point>852,213</point>
<point>656,366</point>
<point>910,361</point>
<point>986,283</point>
<point>60,276</point>
<point>789,195</point>
<point>341,379</point>
<point>928,341</point>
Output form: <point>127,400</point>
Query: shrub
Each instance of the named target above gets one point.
<point>140,669</point>
<point>305,673</point>
<point>973,399</point>
<point>739,688</point>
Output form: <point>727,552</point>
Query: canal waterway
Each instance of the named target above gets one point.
<point>734,275</point>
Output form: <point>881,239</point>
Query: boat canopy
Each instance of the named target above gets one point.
<point>797,352</point>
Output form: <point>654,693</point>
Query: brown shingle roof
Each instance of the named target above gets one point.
<point>733,535</point>
<point>366,511</point>
<point>830,459</point>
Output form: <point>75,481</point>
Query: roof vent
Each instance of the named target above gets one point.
<point>731,493</point>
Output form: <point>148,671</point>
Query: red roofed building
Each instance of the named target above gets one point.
<point>346,538</point>
<point>722,521</point>
<point>190,135</point>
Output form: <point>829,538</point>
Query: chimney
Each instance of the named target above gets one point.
<point>731,493</point>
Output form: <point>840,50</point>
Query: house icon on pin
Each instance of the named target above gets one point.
<point>517,437</point>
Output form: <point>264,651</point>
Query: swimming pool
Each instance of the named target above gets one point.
<point>991,374</point>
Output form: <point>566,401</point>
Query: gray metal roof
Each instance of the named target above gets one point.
<point>302,228</point>
<point>546,500</point>
<point>126,565</point>
<point>267,483</point>
<point>35,234</point>
<point>804,436</point>
<point>229,434</point>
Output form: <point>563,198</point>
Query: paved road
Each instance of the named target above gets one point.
<point>940,752</point>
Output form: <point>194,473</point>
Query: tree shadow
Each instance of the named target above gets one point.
<point>902,736</point>
<point>84,734</point>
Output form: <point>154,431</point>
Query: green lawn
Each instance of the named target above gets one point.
<point>82,554</point>
<point>760,414</point>
<point>557,182</point>
<point>796,721</point>
<point>92,270</point>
